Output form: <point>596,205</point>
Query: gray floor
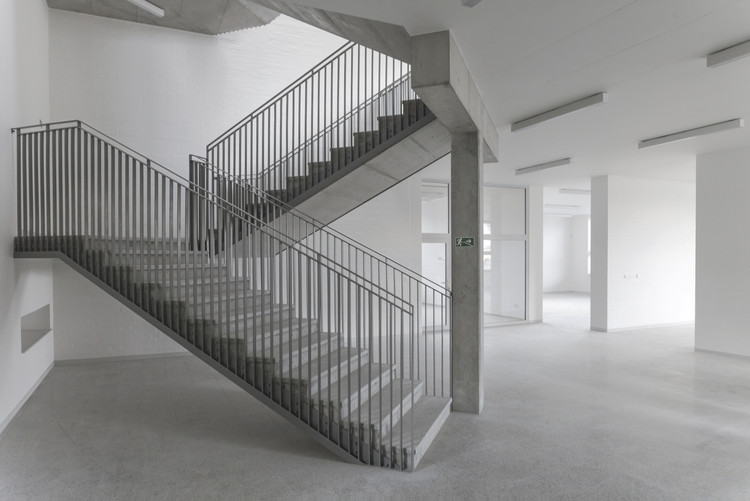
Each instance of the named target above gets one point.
<point>570,414</point>
<point>567,310</point>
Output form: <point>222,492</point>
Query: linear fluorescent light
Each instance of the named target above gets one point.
<point>728,55</point>
<point>563,206</point>
<point>469,3</point>
<point>559,111</point>
<point>572,191</point>
<point>546,165</point>
<point>148,7</point>
<point>736,123</point>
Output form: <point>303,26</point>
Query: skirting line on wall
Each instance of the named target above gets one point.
<point>641,327</point>
<point>24,399</point>
<point>723,354</point>
<point>123,358</point>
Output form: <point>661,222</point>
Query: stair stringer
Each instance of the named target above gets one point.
<point>200,354</point>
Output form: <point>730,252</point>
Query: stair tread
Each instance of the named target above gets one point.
<point>297,345</point>
<point>318,367</point>
<point>360,374</point>
<point>426,412</point>
<point>382,408</point>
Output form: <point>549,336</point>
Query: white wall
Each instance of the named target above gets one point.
<point>165,93</point>
<point>566,254</point>
<point>722,297</point>
<point>558,243</point>
<point>24,285</point>
<point>580,280</point>
<point>168,93</point>
<point>91,324</point>
<point>650,252</point>
<point>390,223</point>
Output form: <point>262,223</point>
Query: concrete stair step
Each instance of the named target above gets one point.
<point>384,409</point>
<point>349,393</point>
<point>279,333</point>
<point>342,155</point>
<point>238,304</point>
<point>329,368</point>
<point>420,427</point>
<point>291,354</point>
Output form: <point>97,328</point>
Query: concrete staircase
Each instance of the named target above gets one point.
<point>324,331</point>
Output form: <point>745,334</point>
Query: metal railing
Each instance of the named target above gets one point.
<point>326,343</point>
<point>334,113</point>
<point>429,301</point>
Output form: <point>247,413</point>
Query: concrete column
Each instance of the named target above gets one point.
<point>535,265</point>
<point>466,272</point>
<point>599,253</point>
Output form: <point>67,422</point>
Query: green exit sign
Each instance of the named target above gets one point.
<point>464,241</point>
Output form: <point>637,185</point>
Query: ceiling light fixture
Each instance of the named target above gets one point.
<point>563,206</point>
<point>546,165</point>
<point>559,111</point>
<point>469,3</point>
<point>573,191</point>
<point>728,55</point>
<point>736,123</point>
<point>148,7</point>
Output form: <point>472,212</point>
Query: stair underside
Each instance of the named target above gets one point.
<point>359,182</point>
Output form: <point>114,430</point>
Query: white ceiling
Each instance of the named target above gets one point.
<point>649,56</point>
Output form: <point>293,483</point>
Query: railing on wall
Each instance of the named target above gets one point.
<point>320,122</point>
<point>285,315</point>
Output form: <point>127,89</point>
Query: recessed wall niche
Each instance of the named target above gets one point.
<point>34,326</point>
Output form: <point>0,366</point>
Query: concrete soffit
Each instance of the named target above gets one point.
<point>209,17</point>
<point>390,39</point>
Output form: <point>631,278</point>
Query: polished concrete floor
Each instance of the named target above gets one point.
<point>567,310</point>
<point>570,414</point>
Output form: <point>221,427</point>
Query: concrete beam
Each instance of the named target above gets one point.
<point>441,78</point>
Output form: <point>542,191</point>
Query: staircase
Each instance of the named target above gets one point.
<point>341,341</point>
<point>341,134</point>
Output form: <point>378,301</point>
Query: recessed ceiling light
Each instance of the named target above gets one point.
<point>559,111</point>
<point>736,123</point>
<point>728,55</point>
<point>148,7</point>
<point>563,206</point>
<point>469,3</point>
<point>546,165</point>
<point>572,191</point>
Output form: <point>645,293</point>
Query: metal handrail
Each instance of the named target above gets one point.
<point>323,228</point>
<point>207,195</point>
<point>309,142</point>
<point>277,97</point>
<point>315,118</point>
<point>279,316</point>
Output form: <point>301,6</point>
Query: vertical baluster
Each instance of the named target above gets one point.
<point>265,287</point>
<point>290,321</point>
<point>68,191</point>
<point>172,255</point>
<point>52,187</point>
<point>46,189</point>
<point>20,189</point>
<point>35,232</point>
